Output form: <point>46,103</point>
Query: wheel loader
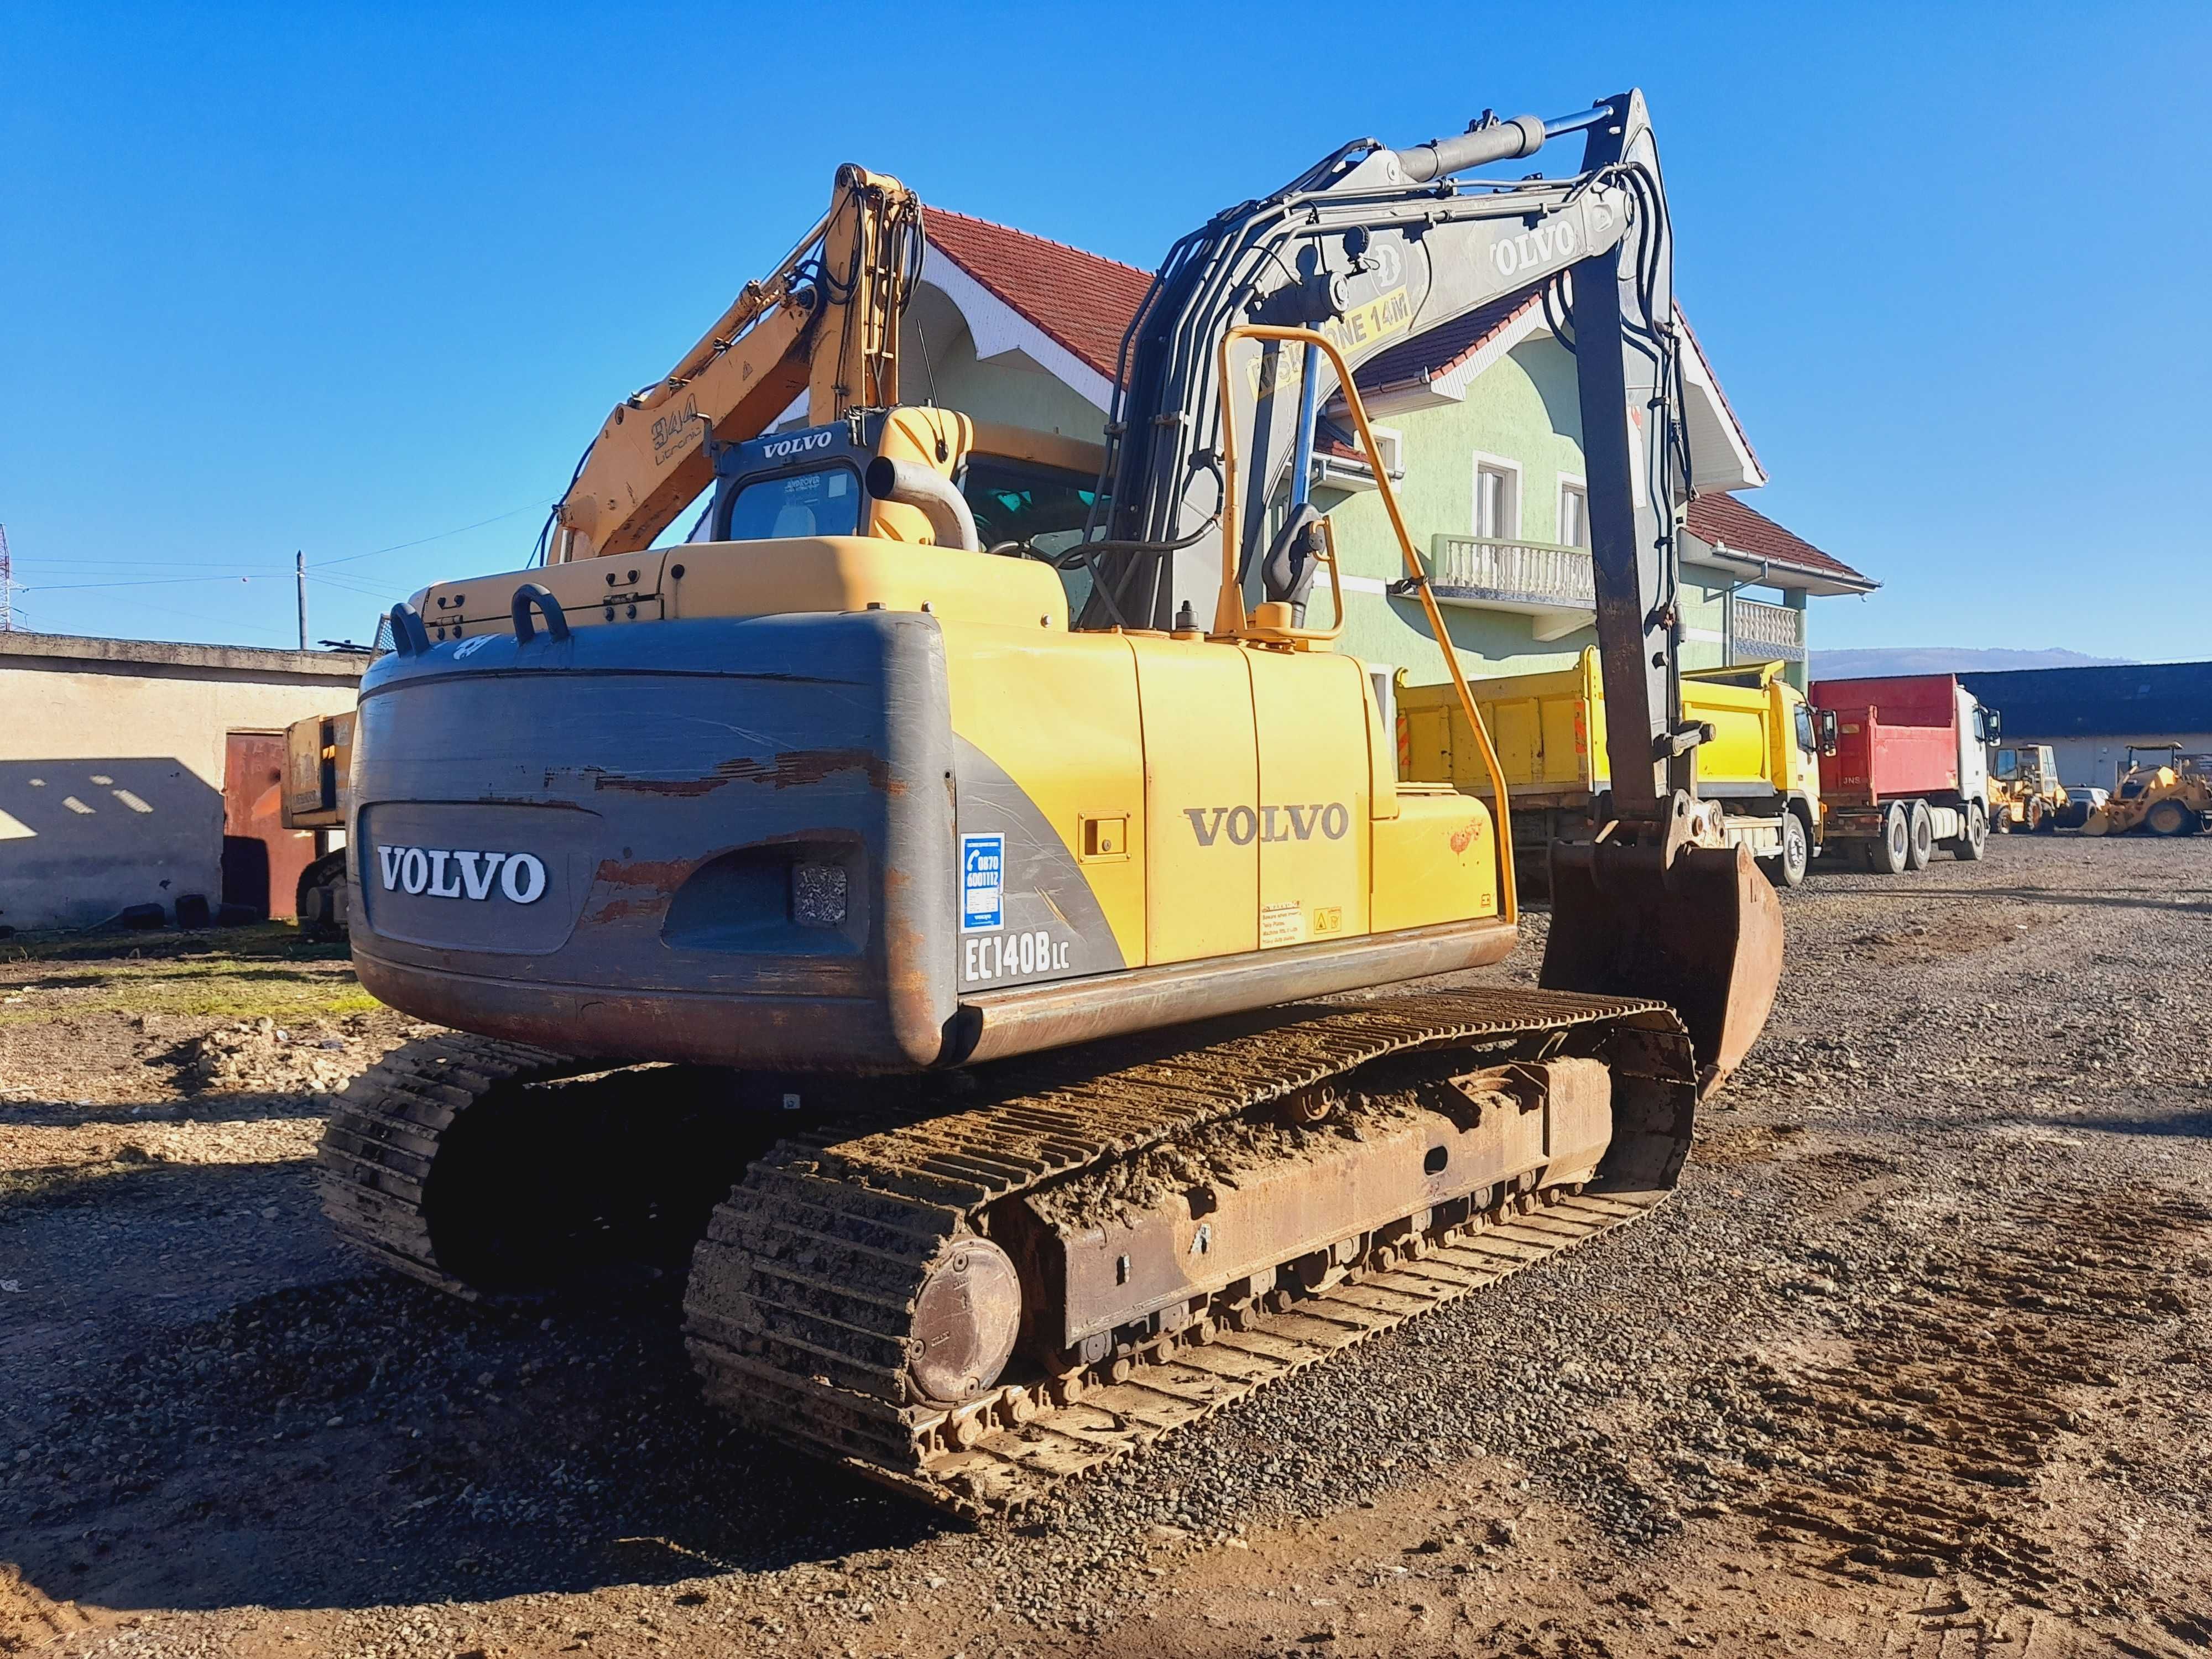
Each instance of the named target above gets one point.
<point>2161,790</point>
<point>954,900</point>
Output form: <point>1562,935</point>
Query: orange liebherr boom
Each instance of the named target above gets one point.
<point>825,323</point>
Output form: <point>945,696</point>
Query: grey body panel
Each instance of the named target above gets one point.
<point>1048,904</point>
<point>666,775</point>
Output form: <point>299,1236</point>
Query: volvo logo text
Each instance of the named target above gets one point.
<point>1542,245</point>
<point>1245,825</point>
<point>440,873</point>
<point>777,449</point>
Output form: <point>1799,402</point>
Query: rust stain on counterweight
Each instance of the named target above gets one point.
<point>795,768</point>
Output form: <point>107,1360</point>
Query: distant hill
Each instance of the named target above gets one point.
<point>1943,659</point>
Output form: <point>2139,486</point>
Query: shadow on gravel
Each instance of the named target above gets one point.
<point>369,1441</point>
<point>2197,1125</point>
<point>194,1108</point>
<point>2118,898</point>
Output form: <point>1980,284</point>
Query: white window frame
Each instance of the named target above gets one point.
<point>1389,449</point>
<point>1481,462</point>
<point>1580,485</point>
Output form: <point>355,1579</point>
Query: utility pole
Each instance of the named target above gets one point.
<point>300,578</point>
<point>7,587</point>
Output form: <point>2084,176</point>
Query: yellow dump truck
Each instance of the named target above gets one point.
<point>1761,764</point>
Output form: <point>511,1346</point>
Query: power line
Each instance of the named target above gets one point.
<point>138,581</point>
<point>400,547</point>
<point>253,569</point>
<point>232,621</point>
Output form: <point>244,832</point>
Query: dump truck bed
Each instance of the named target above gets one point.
<point>1549,729</point>
<point>1896,738</point>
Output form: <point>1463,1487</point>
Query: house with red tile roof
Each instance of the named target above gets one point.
<point>1480,425</point>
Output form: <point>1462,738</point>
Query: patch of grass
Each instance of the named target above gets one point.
<point>277,940</point>
<point>252,974</point>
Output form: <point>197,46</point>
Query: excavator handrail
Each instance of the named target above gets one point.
<point>1229,616</point>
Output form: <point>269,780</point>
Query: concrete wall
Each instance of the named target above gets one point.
<point>111,765</point>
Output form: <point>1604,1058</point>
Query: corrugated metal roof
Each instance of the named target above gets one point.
<point>2130,701</point>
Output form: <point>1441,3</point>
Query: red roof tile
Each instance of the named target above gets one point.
<point>1444,348</point>
<point>1082,300</point>
<point>1723,521</point>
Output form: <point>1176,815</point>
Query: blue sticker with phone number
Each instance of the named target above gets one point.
<point>983,883</point>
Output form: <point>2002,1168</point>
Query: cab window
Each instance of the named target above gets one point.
<point>1806,740</point>
<point>823,502</point>
<point>1026,503</point>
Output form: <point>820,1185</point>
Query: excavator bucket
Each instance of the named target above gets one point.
<point>1704,936</point>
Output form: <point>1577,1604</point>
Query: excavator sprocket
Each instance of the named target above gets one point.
<point>852,1272</point>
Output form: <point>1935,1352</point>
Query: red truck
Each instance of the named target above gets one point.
<point>1909,773</point>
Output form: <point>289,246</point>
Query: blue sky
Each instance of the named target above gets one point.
<point>350,281</point>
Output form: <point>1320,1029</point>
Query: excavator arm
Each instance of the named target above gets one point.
<point>1369,248</point>
<point>1372,246</point>
<point>825,324</point>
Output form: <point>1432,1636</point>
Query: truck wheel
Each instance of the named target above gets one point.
<point>319,900</point>
<point>1972,845</point>
<point>1786,869</point>
<point>1890,854</point>
<point>1920,831</point>
<point>2167,818</point>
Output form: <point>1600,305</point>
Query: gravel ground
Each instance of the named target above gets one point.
<point>1914,1363</point>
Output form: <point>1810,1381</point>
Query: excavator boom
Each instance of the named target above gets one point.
<point>823,324</point>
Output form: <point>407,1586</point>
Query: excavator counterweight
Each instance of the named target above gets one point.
<point>898,911</point>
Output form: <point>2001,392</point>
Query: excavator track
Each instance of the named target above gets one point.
<point>802,1303</point>
<point>387,1131</point>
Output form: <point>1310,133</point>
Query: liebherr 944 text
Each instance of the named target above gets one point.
<point>929,899</point>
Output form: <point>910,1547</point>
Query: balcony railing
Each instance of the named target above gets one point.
<point>1479,567</point>
<point>1554,585</point>
<point>1758,632</point>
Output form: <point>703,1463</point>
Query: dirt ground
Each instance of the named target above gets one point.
<point>1915,1363</point>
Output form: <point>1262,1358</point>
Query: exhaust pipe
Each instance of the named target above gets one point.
<point>912,485</point>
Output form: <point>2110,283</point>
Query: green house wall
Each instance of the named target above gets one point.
<point>1524,409</point>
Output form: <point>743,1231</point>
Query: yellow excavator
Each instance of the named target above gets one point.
<point>944,910</point>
